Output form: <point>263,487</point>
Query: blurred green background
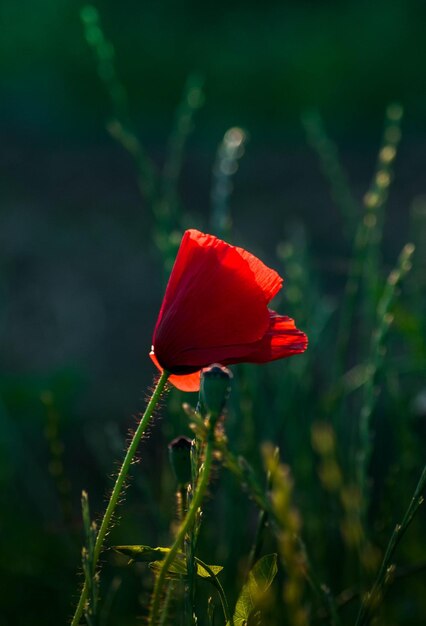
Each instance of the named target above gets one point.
<point>81,280</point>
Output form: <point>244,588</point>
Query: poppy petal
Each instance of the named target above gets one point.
<point>282,339</point>
<point>187,382</point>
<point>212,300</point>
<point>215,310</point>
<point>266,278</point>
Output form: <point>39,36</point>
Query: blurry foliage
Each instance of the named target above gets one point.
<point>263,63</point>
<point>367,343</point>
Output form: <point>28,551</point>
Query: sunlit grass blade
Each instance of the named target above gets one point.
<point>104,53</point>
<point>374,597</point>
<point>192,100</point>
<point>375,202</point>
<point>364,270</point>
<point>332,169</point>
<point>229,152</point>
<point>89,563</point>
<point>377,352</point>
<point>147,171</point>
<point>288,529</point>
<point>167,207</point>
<point>157,186</point>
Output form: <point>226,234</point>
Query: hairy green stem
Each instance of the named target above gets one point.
<point>116,492</point>
<point>184,528</point>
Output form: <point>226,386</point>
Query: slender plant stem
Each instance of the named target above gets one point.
<point>332,168</point>
<point>372,599</point>
<point>375,363</point>
<point>261,524</point>
<point>191,536</point>
<point>347,596</point>
<point>321,591</point>
<point>216,582</point>
<point>257,543</point>
<point>166,604</point>
<point>246,477</point>
<point>247,480</point>
<point>185,526</point>
<point>116,492</point>
<point>364,270</point>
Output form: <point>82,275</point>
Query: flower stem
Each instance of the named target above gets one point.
<point>185,526</point>
<point>122,475</point>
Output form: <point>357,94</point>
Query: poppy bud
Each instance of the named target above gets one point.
<point>180,459</point>
<point>215,388</point>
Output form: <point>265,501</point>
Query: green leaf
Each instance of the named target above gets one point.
<point>150,555</point>
<point>144,553</point>
<point>178,569</point>
<point>259,580</point>
<point>203,573</point>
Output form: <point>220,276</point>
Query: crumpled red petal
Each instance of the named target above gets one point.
<point>281,340</point>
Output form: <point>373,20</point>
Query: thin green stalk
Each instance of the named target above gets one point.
<point>104,53</point>
<point>192,100</point>
<point>383,322</point>
<point>350,296</point>
<point>261,524</point>
<point>257,543</point>
<point>185,527</point>
<point>321,591</point>
<point>347,596</point>
<point>332,606</point>
<point>147,172</point>
<point>332,169</point>
<point>89,566</point>
<point>372,599</point>
<point>245,475</point>
<point>230,150</point>
<point>108,600</point>
<point>116,492</point>
<point>191,537</point>
<point>166,604</point>
<point>363,270</point>
<point>166,208</point>
<point>216,582</point>
<point>375,203</point>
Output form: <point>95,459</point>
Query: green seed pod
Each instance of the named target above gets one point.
<point>215,388</point>
<point>180,459</point>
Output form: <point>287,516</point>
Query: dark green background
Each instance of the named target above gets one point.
<point>263,63</point>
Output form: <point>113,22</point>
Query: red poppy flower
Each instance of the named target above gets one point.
<point>215,311</point>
